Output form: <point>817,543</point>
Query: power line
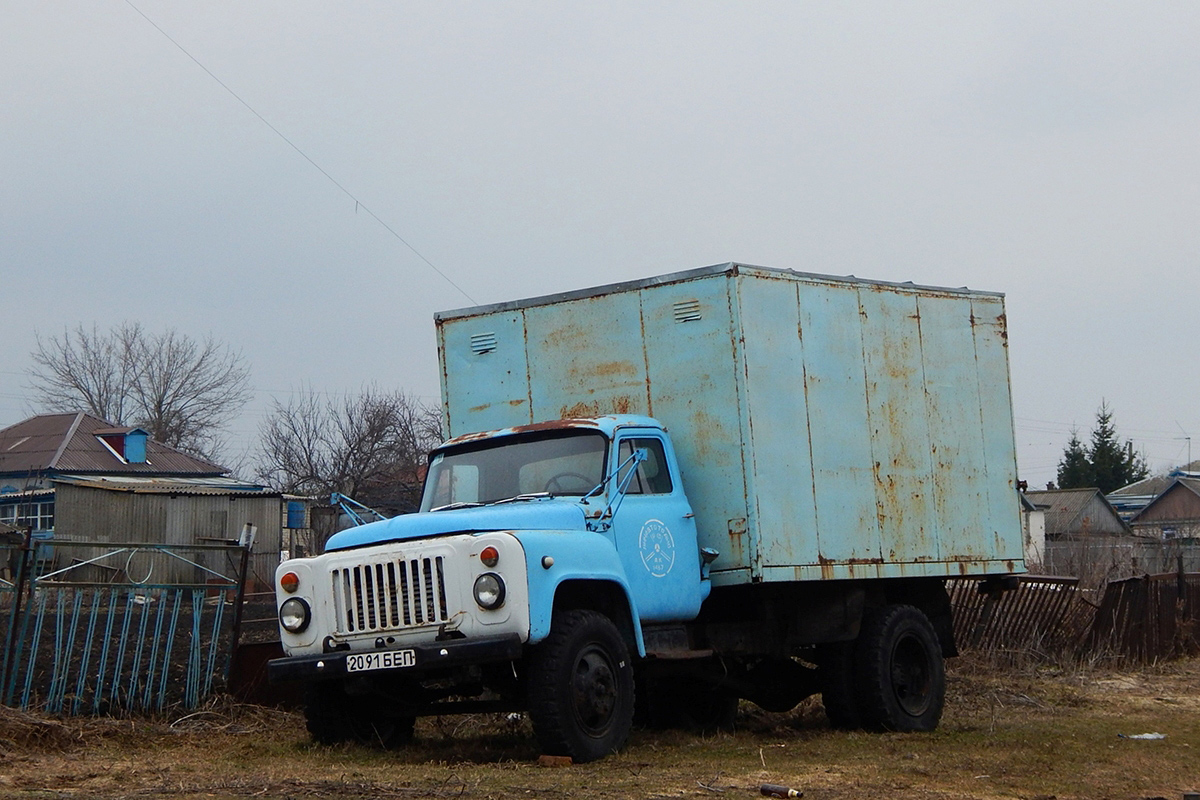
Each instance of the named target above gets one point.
<point>358,204</point>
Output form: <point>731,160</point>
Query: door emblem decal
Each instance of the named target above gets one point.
<point>657,547</point>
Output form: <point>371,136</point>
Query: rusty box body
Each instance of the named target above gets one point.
<point>826,428</point>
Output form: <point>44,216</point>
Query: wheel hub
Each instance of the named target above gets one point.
<point>911,676</point>
<point>595,690</point>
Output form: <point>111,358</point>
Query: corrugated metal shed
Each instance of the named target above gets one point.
<point>178,514</point>
<point>68,443</point>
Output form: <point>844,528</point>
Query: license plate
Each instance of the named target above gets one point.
<point>387,659</point>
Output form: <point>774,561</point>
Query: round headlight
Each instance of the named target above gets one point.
<point>489,590</point>
<point>294,615</point>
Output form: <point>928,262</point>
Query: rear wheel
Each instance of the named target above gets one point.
<point>899,672</point>
<point>332,717</point>
<point>581,687</point>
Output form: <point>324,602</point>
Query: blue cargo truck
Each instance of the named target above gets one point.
<point>664,496</point>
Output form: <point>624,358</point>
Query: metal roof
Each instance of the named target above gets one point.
<point>175,486</point>
<point>729,268</point>
<point>1191,484</point>
<point>1157,484</point>
<point>1065,505</point>
<point>70,443</point>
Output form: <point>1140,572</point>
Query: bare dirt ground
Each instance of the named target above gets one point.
<point>1029,733</point>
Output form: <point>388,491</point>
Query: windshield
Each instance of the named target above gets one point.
<point>563,463</point>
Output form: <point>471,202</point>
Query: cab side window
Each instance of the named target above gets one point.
<point>652,475</point>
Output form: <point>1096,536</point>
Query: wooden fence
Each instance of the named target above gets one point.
<point>1143,619</point>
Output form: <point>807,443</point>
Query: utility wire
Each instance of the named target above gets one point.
<point>357,203</point>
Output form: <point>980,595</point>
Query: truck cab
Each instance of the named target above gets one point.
<point>575,525</point>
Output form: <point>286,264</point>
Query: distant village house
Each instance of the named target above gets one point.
<point>74,477</point>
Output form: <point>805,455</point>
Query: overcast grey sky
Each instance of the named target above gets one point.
<point>1045,150</point>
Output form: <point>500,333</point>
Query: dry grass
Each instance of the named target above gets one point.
<point>1031,732</point>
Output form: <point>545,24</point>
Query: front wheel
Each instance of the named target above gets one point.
<point>581,687</point>
<point>900,674</point>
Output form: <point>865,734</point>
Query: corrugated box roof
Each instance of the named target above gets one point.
<point>70,443</point>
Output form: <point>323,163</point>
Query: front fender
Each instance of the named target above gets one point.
<point>572,556</point>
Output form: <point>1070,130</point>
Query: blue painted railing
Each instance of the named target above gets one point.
<point>101,628</point>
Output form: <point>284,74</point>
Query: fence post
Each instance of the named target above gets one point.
<point>1181,584</point>
<point>23,563</point>
<point>249,533</point>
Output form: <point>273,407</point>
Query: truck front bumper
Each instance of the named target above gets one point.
<point>424,657</point>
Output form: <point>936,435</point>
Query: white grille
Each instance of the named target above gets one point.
<point>392,594</point>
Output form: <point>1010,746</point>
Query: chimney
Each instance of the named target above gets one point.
<point>127,444</point>
<point>135,446</point>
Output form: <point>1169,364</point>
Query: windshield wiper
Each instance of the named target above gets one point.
<point>523,497</point>
<point>453,506</point>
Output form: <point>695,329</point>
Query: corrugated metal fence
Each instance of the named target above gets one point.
<point>99,627</point>
<point>1147,618</point>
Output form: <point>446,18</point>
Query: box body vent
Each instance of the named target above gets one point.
<point>687,311</point>
<point>483,343</point>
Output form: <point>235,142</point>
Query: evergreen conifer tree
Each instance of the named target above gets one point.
<point>1074,470</point>
<point>1106,464</point>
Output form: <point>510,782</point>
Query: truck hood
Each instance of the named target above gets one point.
<point>532,515</point>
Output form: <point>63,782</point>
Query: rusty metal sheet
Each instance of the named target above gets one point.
<point>586,357</point>
<point>958,459</point>
<point>899,424</point>
<point>485,382</point>
<point>779,464</point>
<point>693,353</point>
<point>838,431</point>
<point>995,404</point>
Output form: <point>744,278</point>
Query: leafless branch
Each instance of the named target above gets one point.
<point>183,391</point>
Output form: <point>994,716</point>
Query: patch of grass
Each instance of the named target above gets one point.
<point>1036,731</point>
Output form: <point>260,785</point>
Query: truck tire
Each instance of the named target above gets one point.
<point>581,687</point>
<point>835,671</point>
<point>899,672</point>
<point>333,717</point>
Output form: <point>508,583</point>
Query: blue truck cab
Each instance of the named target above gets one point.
<point>513,524</point>
<point>662,497</point>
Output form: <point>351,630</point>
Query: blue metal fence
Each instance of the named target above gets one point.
<point>94,627</point>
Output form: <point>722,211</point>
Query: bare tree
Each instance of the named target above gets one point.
<point>182,391</point>
<point>370,446</point>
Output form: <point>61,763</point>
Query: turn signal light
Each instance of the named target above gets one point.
<point>490,556</point>
<point>289,582</point>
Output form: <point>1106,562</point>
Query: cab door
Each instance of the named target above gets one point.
<point>655,531</point>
